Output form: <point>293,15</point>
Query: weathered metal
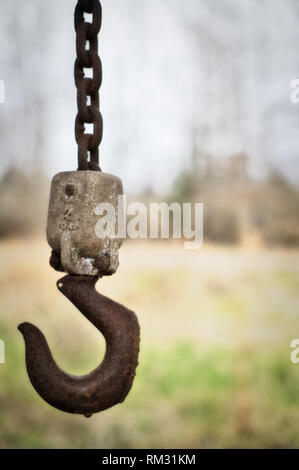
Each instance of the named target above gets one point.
<point>72,220</point>
<point>87,58</point>
<point>79,251</point>
<point>107,385</point>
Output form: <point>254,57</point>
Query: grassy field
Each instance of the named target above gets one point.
<point>215,366</point>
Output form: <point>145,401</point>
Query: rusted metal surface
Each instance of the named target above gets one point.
<point>107,385</point>
<point>78,251</point>
<point>72,221</point>
<point>88,87</point>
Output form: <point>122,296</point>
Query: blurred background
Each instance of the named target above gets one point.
<point>196,106</point>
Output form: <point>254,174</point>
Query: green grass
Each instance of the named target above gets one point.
<point>214,369</point>
<point>182,397</point>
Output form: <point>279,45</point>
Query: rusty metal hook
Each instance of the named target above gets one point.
<point>112,380</point>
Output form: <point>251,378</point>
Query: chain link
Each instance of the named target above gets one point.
<point>88,88</point>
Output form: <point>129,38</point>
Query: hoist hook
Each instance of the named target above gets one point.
<point>111,381</point>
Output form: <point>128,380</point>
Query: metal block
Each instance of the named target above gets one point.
<point>72,220</point>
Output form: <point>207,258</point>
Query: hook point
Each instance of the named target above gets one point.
<point>23,327</point>
<point>111,381</point>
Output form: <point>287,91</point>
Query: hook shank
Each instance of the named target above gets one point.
<point>111,381</point>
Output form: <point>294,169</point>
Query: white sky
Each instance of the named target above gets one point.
<point>222,65</point>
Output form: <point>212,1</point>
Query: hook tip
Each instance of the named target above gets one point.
<point>25,327</point>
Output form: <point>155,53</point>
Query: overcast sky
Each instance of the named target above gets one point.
<point>221,67</point>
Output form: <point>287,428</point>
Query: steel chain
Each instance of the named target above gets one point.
<point>88,88</point>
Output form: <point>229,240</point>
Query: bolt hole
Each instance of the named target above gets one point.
<point>69,190</point>
<point>60,285</point>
